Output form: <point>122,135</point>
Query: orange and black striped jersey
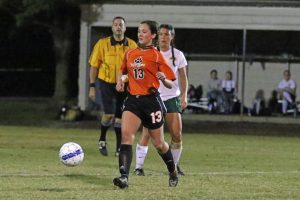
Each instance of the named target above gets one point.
<point>107,56</point>
<point>141,65</point>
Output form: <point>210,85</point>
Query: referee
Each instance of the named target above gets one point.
<point>105,62</point>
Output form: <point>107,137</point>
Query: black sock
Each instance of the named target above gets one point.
<point>118,138</point>
<point>168,159</point>
<point>103,132</point>
<point>125,159</point>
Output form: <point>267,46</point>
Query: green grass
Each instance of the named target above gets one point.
<point>225,167</point>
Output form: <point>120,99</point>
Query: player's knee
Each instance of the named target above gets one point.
<point>127,137</point>
<point>144,140</point>
<point>176,137</point>
<point>117,123</point>
<point>176,145</point>
<point>157,145</point>
<point>107,119</point>
<point>161,146</point>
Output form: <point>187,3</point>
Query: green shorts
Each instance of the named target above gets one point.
<point>173,105</point>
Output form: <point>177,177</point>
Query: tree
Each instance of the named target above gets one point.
<point>62,20</point>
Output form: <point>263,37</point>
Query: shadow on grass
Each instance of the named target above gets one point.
<point>91,179</point>
<point>52,190</point>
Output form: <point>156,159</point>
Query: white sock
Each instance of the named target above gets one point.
<point>176,155</point>
<point>141,152</point>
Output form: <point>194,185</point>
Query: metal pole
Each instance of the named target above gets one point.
<point>237,72</point>
<point>243,72</point>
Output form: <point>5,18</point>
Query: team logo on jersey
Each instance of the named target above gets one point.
<point>138,62</point>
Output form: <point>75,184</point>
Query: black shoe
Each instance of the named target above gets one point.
<point>121,182</point>
<point>173,179</point>
<point>139,172</point>
<point>102,148</point>
<point>180,173</point>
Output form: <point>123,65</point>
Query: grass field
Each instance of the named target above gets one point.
<point>226,167</point>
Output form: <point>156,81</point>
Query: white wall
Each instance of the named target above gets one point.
<point>225,17</point>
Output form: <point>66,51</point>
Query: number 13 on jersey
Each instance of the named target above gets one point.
<point>156,117</point>
<point>138,73</point>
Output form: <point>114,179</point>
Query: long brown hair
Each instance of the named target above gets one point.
<point>172,30</point>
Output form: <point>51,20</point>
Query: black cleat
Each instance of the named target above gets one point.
<point>173,179</point>
<point>139,172</point>
<point>180,173</point>
<point>102,148</point>
<point>121,182</point>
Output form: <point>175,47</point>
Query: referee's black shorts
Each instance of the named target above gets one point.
<point>149,108</point>
<point>112,101</point>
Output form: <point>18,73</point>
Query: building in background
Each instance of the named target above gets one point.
<point>212,34</point>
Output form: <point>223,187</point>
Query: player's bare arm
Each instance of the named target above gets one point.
<point>183,84</point>
<point>162,77</point>
<point>122,79</point>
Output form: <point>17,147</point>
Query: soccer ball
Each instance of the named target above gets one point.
<point>71,154</point>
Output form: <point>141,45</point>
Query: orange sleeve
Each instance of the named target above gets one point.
<point>165,68</point>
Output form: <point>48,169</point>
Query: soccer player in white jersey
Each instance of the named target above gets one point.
<point>175,100</point>
<point>287,90</point>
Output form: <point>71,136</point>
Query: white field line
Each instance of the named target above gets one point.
<point>154,174</point>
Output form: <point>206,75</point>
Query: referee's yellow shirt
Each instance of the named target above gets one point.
<point>108,55</point>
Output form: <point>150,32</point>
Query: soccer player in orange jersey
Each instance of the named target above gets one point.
<point>145,66</point>
<point>175,100</point>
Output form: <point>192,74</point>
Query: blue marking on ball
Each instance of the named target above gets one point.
<point>71,155</point>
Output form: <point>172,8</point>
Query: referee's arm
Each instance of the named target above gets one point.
<point>92,85</point>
